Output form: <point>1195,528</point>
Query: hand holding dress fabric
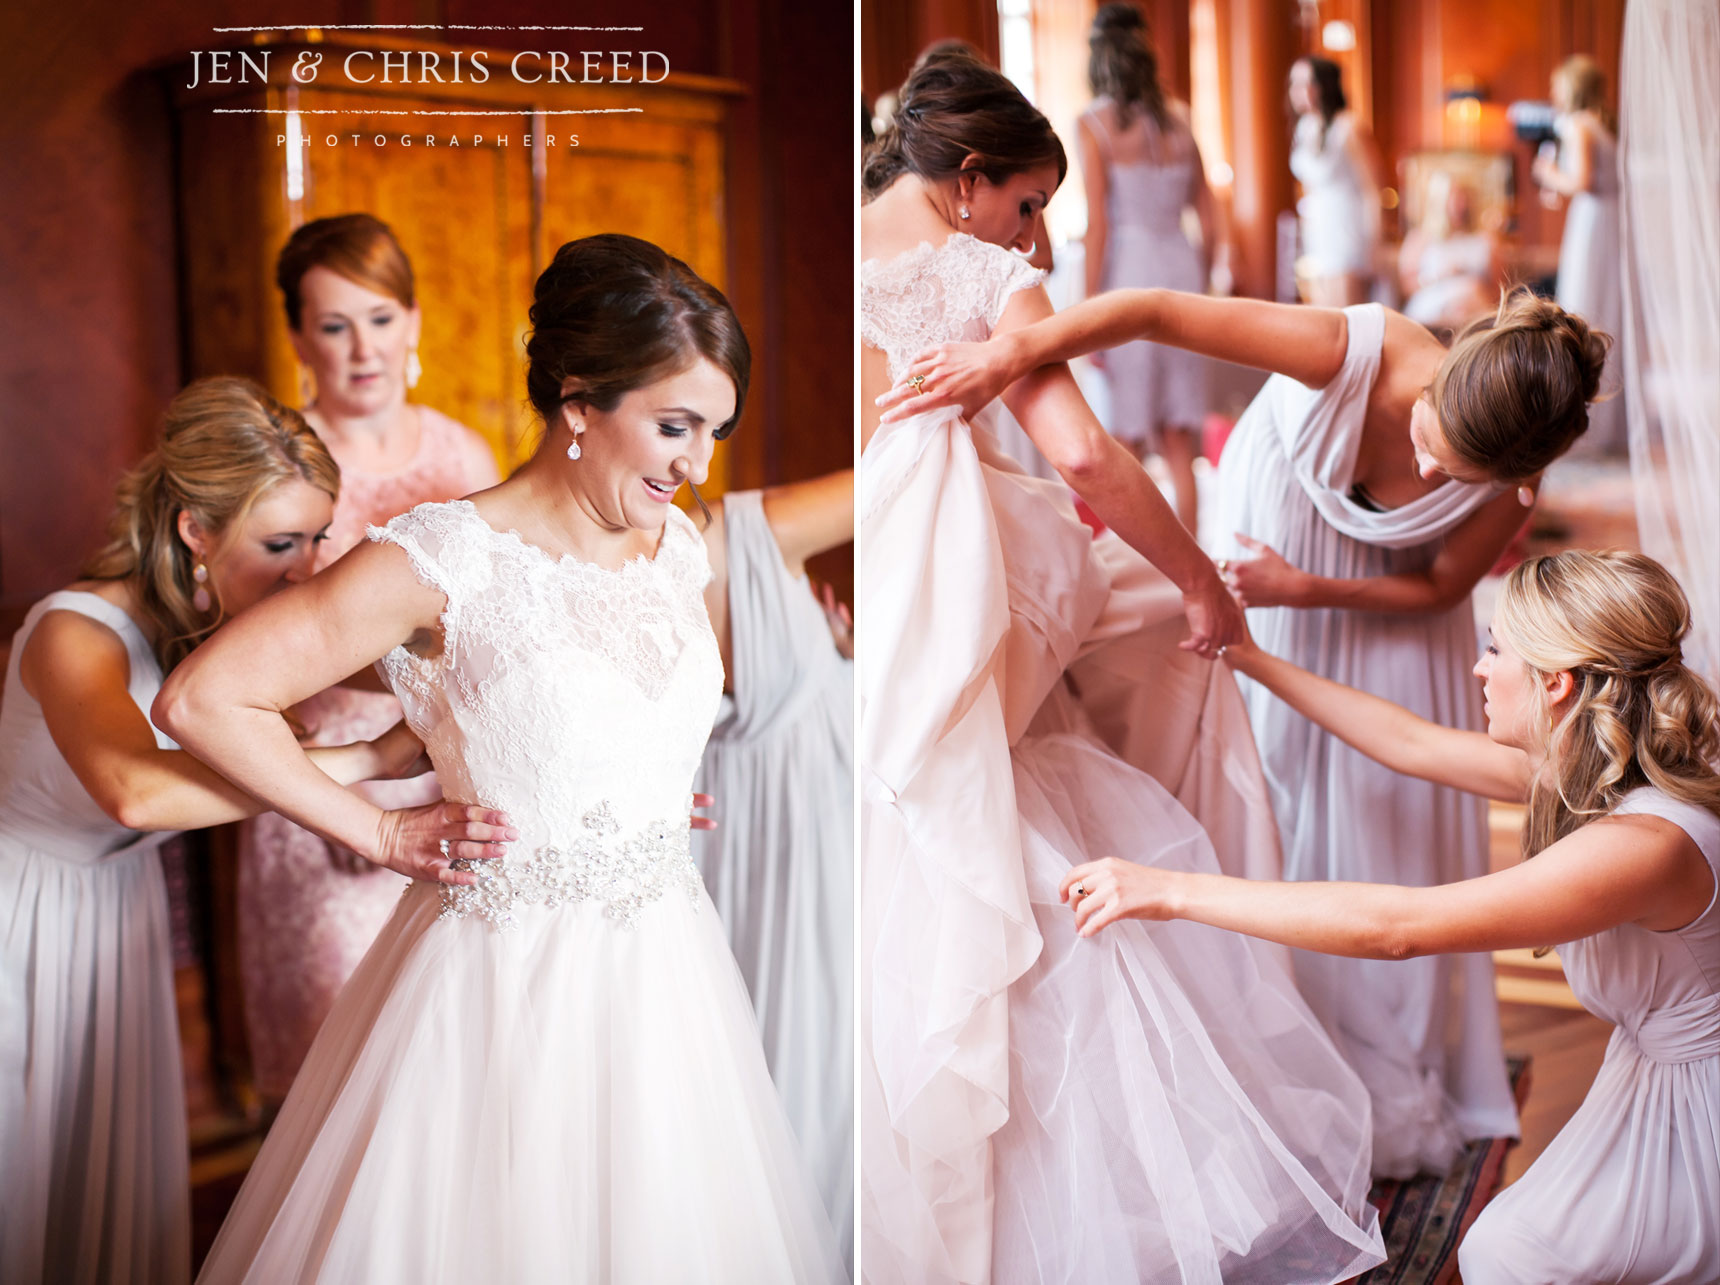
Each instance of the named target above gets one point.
<point>1266,580</point>
<point>1104,891</point>
<point>1214,619</point>
<point>954,374</point>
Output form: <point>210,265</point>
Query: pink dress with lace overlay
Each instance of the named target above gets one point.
<point>307,914</point>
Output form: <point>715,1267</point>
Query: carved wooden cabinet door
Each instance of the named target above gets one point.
<point>480,183</point>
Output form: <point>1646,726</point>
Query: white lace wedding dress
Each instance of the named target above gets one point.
<point>553,1075</point>
<point>1153,1104</point>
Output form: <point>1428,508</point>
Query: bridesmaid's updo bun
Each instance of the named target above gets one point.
<point>1513,392</point>
<point>954,106</point>
<point>617,313</point>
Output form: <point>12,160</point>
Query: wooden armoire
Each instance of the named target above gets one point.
<point>478,219</point>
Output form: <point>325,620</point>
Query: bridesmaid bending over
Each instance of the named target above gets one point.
<point>228,508</point>
<point>1371,483</point>
<point>1595,721</point>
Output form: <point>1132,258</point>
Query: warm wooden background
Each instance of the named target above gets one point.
<point>1409,53</point>
<point>93,326</point>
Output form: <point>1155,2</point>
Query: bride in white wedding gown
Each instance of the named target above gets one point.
<point>547,1068</point>
<point>1156,1106</point>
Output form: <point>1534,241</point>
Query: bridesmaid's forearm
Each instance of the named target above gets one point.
<point>1407,592</point>
<point>1360,920</point>
<point>1103,321</point>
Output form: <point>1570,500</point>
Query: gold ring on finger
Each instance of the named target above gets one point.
<point>1223,565</point>
<point>1080,890</point>
<point>919,383</point>
<point>443,845</point>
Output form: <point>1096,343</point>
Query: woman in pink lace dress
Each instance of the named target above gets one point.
<point>309,910</point>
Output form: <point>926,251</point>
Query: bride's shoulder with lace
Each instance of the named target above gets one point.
<point>934,290</point>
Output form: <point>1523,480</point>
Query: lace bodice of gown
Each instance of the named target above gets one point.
<point>937,294</point>
<point>573,698</point>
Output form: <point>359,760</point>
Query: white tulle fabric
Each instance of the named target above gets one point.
<point>780,867</point>
<point>1154,1104</point>
<point>1670,168</point>
<point>93,1157</point>
<point>557,1078</point>
<point>1630,1189</point>
<point>1423,1033</point>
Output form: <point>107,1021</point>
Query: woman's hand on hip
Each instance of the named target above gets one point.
<point>423,842</point>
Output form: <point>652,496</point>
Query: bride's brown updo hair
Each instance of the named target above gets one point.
<point>1638,715</point>
<point>954,106</point>
<point>1514,391</point>
<point>617,313</point>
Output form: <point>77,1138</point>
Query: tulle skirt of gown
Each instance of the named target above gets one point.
<point>567,1101</point>
<point>1153,1104</point>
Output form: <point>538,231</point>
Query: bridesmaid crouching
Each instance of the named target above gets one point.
<point>1595,721</point>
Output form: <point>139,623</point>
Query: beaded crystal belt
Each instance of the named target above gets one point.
<point>625,874</point>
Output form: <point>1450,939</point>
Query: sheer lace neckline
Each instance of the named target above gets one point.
<point>510,536</point>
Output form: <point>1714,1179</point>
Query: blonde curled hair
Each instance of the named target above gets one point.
<point>1514,391</point>
<point>225,443</point>
<point>1638,715</point>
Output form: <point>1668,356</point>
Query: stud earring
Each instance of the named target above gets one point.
<point>414,367</point>
<point>1526,496</point>
<point>965,213</point>
<point>200,599</point>
<point>573,451</point>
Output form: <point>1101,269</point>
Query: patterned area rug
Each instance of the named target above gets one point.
<point>1424,1218</point>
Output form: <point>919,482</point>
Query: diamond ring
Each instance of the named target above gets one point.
<point>919,383</point>
<point>443,845</point>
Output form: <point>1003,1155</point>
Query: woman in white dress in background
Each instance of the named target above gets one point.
<point>780,763</point>
<point>1165,1108</point>
<point>1594,722</point>
<point>228,508</point>
<point>1332,156</point>
<point>1358,544</point>
<point>546,1068</point>
<point>1142,170</point>
<point>1585,172</point>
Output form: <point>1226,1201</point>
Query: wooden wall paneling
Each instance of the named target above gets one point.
<point>894,32</point>
<point>1261,39</point>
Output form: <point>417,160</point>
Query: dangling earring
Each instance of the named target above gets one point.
<point>201,599</point>
<point>965,213</point>
<point>307,393</point>
<point>573,451</point>
<point>414,367</point>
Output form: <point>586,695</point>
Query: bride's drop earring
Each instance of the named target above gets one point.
<point>965,213</point>
<point>414,368</point>
<point>573,451</point>
<point>200,599</point>
<point>307,392</point>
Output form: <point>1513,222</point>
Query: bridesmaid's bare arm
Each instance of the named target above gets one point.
<point>1617,870</point>
<point>1388,733</point>
<point>1307,344</point>
<point>78,671</point>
